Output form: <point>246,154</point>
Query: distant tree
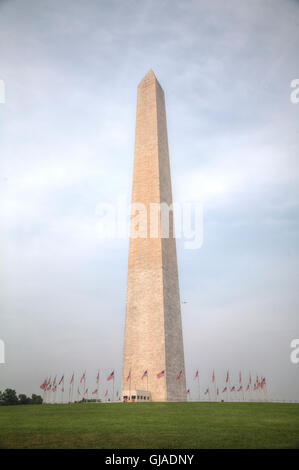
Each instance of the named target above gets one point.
<point>36,399</point>
<point>23,399</point>
<point>9,397</point>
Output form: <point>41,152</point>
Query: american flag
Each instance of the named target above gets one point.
<point>196,375</point>
<point>78,391</point>
<point>95,392</point>
<point>106,393</point>
<point>44,384</point>
<point>240,378</point>
<point>72,379</point>
<point>161,374</point>
<point>111,376</point>
<point>207,391</point>
<point>180,374</point>
<point>129,376</point>
<point>213,377</point>
<point>227,377</point>
<point>224,390</point>
<point>188,391</point>
<point>61,380</point>
<point>240,388</point>
<point>98,378</point>
<point>82,378</point>
<point>144,374</point>
<point>233,388</point>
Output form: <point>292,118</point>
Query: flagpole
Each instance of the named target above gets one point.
<point>198,388</point>
<point>113,389</point>
<point>214,381</point>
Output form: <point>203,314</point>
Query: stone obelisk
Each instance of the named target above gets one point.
<point>153,340</point>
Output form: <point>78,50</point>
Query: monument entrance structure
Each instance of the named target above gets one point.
<point>153,357</point>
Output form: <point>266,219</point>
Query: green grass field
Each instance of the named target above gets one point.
<point>151,425</point>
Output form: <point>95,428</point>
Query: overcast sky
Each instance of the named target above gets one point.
<point>71,70</point>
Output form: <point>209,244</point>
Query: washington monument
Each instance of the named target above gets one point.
<point>153,361</point>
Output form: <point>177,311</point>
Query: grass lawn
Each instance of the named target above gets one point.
<point>150,425</point>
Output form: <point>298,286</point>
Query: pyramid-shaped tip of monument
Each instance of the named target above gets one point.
<point>149,76</point>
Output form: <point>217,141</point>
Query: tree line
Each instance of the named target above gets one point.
<point>10,397</point>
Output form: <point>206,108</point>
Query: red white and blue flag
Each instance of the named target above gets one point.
<point>207,391</point>
<point>61,380</point>
<point>224,390</point>
<point>98,378</point>
<point>196,375</point>
<point>213,377</point>
<point>188,391</point>
<point>180,374</point>
<point>161,374</point>
<point>111,376</point>
<point>44,384</point>
<point>106,393</point>
<point>72,379</point>
<point>82,378</point>
<point>233,388</point>
<point>129,376</point>
<point>95,392</point>
<point>227,377</point>
<point>240,388</point>
<point>144,374</point>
